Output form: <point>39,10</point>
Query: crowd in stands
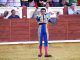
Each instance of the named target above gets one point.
<point>13,3</point>
<point>36,3</point>
<point>53,3</point>
<point>42,3</point>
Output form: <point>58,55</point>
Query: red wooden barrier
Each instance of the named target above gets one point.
<point>67,27</point>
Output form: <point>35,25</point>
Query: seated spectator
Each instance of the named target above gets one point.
<point>13,3</point>
<point>13,14</point>
<point>56,3</point>
<point>48,4</point>
<point>42,3</point>
<point>64,2</point>
<point>78,12</point>
<point>37,1</point>
<point>3,2</point>
<point>73,1</point>
<point>4,15</point>
<point>72,10</point>
<point>32,3</point>
<point>24,3</point>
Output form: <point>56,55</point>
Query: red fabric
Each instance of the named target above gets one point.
<point>46,50</point>
<point>40,49</point>
<point>79,2</point>
<point>36,4</point>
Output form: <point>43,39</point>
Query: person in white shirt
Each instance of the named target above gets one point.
<point>71,10</point>
<point>13,3</point>
<point>31,3</point>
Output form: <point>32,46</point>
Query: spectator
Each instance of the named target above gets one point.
<point>64,2</point>
<point>24,3</point>
<point>4,15</point>
<point>32,3</point>
<point>13,3</point>
<point>72,10</point>
<point>49,4</point>
<point>3,2</point>
<point>47,9</point>
<point>78,12</point>
<point>73,1</point>
<point>56,3</point>
<point>37,1</point>
<point>42,3</point>
<point>13,14</point>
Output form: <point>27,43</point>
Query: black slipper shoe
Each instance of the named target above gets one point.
<point>48,55</point>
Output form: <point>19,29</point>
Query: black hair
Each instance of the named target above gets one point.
<point>12,10</point>
<point>6,13</point>
<point>43,9</point>
<point>30,0</point>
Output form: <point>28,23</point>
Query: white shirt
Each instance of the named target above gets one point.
<point>32,4</point>
<point>46,18</point>
<point>13,3</point>
<point>70,11</point>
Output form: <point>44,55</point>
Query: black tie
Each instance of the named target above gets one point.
<point>43,17</point>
